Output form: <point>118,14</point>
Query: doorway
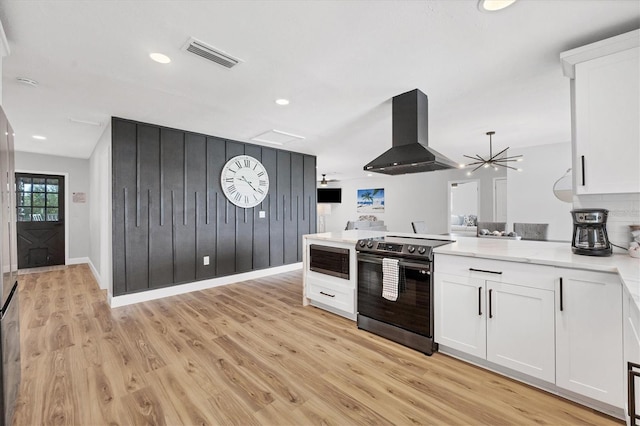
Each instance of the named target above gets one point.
<point>40,220</point>
<point>464,206</point>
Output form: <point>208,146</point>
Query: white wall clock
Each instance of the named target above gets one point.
<point>245,181</point>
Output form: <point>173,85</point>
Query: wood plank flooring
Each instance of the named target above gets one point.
<point>243,354</point>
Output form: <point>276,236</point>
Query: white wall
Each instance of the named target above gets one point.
<point>412,197</point>
<point>530,196</point>
<point>100,201</point>
<point>4,51</point>
<point>76,171</point>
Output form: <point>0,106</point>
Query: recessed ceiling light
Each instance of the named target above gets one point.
<point>282,101</point>
<point>160,58</point>
<point>38,137</point>
<point>493,5</point>
<point>369,174</point>
<point>27,81</point>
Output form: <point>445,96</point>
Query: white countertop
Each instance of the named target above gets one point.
<point>353,235</point>
<point>536,252</point>
<point>550,254</point>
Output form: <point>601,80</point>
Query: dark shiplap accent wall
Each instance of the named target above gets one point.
<point>169,210</point>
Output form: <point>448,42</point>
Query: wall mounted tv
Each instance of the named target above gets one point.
<point>329,195</point>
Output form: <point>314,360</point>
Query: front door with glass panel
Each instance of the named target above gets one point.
<point>40,216</point>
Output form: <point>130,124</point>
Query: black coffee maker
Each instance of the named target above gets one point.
<point>590,232</point>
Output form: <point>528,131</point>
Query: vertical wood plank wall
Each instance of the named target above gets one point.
<point>169,210</point>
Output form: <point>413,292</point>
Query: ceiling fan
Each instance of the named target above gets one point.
<point>324,181</point>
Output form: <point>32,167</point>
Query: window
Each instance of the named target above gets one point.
<point>38,199</point>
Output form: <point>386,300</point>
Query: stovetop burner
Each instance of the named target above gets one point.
<point>399,246</point>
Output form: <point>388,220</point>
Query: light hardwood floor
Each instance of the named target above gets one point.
<point>244,354</point>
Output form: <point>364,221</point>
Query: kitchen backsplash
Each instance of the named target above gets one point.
<point>624,210</point>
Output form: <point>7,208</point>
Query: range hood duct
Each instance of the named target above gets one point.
<point>409,151</point>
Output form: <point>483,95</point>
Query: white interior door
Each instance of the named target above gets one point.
<point>500,200</point>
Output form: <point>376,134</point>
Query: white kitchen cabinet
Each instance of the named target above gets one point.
<point>520,329</point>
<point>460,321</point>
<point>334,292</point>
<point>605,111</point>
<point>589,358</point>
<point>498,311</point>
<point>328,292</point>
<point>631,330</point>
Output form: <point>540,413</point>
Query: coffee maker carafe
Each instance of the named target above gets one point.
<point>590,232</point>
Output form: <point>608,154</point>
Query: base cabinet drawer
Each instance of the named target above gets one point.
<point>337,295</point>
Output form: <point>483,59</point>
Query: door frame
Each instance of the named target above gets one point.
<point>66,204</point>
<point>449,183</point>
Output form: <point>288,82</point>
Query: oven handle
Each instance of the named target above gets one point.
<point>378,261</point>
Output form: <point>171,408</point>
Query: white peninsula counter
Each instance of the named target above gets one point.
<point>550,254</point>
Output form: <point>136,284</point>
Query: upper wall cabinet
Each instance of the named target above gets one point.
<point>605,102</point>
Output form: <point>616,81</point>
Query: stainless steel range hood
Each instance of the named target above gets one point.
<point>409,152</point>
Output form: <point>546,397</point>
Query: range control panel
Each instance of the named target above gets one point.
<point>381,248</point>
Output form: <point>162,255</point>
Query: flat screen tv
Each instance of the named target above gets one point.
<point>329,195</point>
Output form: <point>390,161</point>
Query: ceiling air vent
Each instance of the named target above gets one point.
<point>210,53</point>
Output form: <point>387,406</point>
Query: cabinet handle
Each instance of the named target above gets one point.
<point>561,297</point>
<point>582,159</point>
<point>479,300</point>
<point>631,391</point>
<point>486,271</point>
<point>490,311</point>
<point>327,294</point>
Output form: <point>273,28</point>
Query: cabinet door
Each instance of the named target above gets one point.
<point>460,313</point>
<point>607,106</point>
<point>631,316</point>
<point>520,329</point>
<point>589,357</point>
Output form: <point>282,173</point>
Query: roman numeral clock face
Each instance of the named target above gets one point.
<point>245,181</point>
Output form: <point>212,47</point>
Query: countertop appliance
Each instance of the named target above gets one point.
<point>408,320</point>
<point>590,232</point>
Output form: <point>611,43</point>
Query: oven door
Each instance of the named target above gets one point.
<point>412,310</point>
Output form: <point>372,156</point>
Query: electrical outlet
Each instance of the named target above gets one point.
<point>262,214</point>
<point>205,260</point>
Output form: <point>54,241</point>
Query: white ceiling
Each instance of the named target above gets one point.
<point>338,62</point>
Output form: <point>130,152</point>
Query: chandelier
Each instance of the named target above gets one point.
<point>498,160</point>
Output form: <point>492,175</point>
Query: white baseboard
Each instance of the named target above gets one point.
<point>144,296</point>
<point>95,273</point>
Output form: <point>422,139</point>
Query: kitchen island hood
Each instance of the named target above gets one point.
<point>410,152</point>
